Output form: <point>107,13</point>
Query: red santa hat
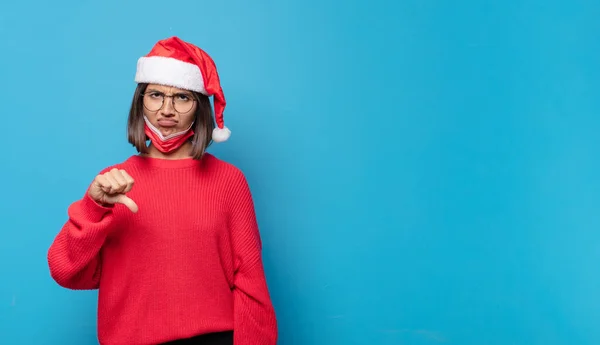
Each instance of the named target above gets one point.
<point>176,63</point>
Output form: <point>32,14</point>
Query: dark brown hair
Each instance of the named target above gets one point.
<point>203,123</point>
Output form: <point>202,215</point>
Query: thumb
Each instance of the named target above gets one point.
<point>125,200</point>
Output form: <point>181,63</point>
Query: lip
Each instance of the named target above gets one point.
<point>167,123</point>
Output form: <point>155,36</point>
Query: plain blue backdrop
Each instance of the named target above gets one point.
<point>424,172</point>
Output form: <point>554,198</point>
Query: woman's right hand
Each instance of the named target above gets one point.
<point>111,188</point>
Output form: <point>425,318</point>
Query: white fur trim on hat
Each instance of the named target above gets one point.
<point>220,135</point>
<point>169,71</point>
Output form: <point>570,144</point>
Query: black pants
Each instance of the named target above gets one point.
<point>220,338</point>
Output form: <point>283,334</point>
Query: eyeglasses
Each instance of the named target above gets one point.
<point>182,102</point>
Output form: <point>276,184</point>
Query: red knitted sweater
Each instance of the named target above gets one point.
<point>187,263</point>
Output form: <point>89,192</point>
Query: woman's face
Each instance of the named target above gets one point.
<point>168,108</point>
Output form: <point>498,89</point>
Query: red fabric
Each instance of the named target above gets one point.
<point>188,262</point>
<point>166,145</point>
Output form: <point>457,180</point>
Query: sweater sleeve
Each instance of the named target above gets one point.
<point>74,255</point>
<point>254,316</point>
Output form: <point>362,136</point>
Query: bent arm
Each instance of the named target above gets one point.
<point>254,316</point>
<point>74,255</point>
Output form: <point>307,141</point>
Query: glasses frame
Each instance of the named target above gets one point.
<point>192,97</point>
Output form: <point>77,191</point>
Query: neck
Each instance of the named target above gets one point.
<point>181,153</point>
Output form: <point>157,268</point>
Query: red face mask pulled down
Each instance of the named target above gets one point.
<point>169,143</point>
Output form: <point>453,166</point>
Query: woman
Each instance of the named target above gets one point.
<point>176,257</point>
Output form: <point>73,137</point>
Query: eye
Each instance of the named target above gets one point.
<point>154,94</point>
<point>183,97</point>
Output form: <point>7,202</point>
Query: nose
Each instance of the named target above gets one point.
<point>167,108</point>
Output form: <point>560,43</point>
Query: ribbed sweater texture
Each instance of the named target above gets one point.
<point>187,263</point>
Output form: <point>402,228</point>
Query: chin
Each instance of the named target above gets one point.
<point>169,130</point>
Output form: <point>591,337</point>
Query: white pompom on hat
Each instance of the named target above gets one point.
<point>180,64</point>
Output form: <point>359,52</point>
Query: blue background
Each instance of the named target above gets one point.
<point>425,172</point>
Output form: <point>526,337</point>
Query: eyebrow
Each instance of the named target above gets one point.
<point>187,93</point>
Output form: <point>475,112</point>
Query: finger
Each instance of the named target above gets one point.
<point>116,174</point>
<point>114,185</point>
<point>129,180</point>
<point>103,183</point>
<point>125,200</point>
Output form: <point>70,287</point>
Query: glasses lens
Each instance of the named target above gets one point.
<point>153,102</point>
<point>183,104</point>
